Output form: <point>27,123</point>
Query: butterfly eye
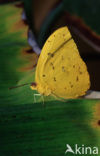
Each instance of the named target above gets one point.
<point>33,84</point>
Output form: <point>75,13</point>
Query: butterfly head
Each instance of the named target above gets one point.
<point>33,86</point>
<point>43,90</point>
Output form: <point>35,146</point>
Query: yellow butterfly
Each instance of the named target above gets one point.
<point>60,70</point>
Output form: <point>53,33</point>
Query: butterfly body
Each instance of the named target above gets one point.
<point>60,70</point>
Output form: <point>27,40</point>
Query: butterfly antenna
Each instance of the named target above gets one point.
<point>31,83</point>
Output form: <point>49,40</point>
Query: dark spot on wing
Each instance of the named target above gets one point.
<point>80,73</point>
<point>65,88</point>
<point>52,55</point>
<point>52,65</point>
<point>49,53</point>
<point>43,75</point>
<point>63,68</point>
<point>77,78</point>
<point>71,85</point>
<point>63,34</point>
<point>54,35</point>
<point>54,79</point>
<point>73,66</point>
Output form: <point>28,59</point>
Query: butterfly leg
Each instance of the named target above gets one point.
<point>35,97</point>
<point>40,96</point>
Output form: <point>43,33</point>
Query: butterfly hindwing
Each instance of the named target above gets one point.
<point>66,73</point>
<point>60,70</point>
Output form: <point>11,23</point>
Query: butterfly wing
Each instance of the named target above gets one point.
<point>48,49</point>
<point>60,70</point>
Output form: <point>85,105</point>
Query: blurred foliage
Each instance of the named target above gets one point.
<point>89,11</point>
